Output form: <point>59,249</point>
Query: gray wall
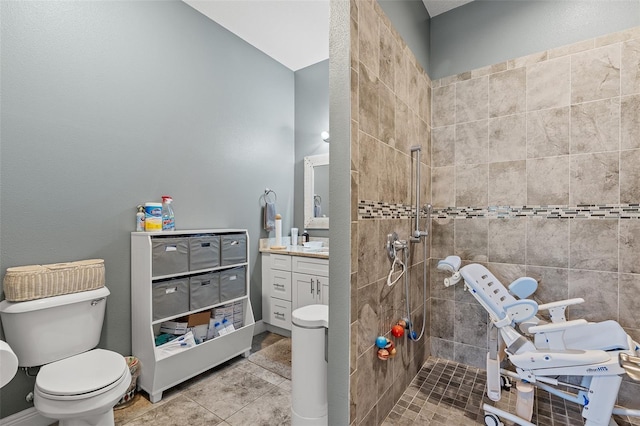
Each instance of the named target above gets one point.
<point>106,105</point>
<point>312,117</point>
<point>411,20</point>
<point>485,32</point>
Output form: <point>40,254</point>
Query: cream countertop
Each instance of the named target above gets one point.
<point>266,243</point>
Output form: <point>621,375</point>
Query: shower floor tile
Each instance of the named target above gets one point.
<point>447,393</point>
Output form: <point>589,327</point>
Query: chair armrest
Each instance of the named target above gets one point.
<point>557,309</point>
<point>560,326</point>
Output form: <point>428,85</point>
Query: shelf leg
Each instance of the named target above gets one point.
<point>155,397</point>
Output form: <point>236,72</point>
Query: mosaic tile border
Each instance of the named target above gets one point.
<point>381,210</point>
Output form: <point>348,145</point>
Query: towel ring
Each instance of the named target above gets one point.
<point>267,193</point>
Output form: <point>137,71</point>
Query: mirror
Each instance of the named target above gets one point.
<point>316,191</point>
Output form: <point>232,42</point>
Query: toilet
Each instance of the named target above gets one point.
<point>76,384</point>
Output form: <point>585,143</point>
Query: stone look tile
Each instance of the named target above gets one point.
<point>229,392</point>
<point>595,126</point>
<point>593,244</point>
<point>368,317</point>
<point>527,60</point>
<point>405,127</point>
<point>471,185</point>
<point>366,396</point>
<point>179,411</point>
<point>630,176</point>
<point>368,37</point>
<point>444,313</point>
<point>553,283</point>
<point>272,408</point>
<point>370,252</point>
<point>507,92</point>
<point>595,178</point>
<point>441,348</point>
<point>629,247</point>
<point>387,115</point>
<point>472,142</point>
<point>370,151</point>
<point>548,181</point>
<point>548,132</point>
<point>368,97</point>
<point>443,188</point>
<point>441,238</point>
<point>355,105</point>
<point>580,46</point>
<point>444,105</point>
<point>508,183</point>
<point>470,324</point>
<point>443,147</point>
<point>629,302</point>
<point>470,239</point>
<point>473,356</point>
<point>355,39</point>
<point>595,74</point>
<point>630,71</point>
<point>548,242</point>
<point>387,52</point>
<point>617,37</point>
<point>508,138</point>
<point>599,291</point>
<point>507,240</point>
<point>548,84</point>
<point>630,122</point>
<point>472,102</point>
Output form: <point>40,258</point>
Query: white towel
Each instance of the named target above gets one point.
<point>269,216</point>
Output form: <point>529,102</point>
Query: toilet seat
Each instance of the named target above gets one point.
<point>82,376</point>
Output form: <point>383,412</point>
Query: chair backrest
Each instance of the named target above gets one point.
<point>494,296</point>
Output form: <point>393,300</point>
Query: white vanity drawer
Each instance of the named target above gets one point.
<point>280,313</point>
<point>280,284</point>
<point>311,265</point>
<point>281,261</point>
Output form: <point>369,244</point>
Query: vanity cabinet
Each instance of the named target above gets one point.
<point>180,274</point>
<point>290,282</point>
<point>310,281</point>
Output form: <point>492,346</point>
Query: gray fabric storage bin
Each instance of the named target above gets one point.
<point>169,256</point>
<point>234,249</point>
<point>232,283</point>
<point>204,290</point>
<point>170,297</point>
<point>204,252</point>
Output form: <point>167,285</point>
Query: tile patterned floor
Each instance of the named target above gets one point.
<point>447,393</point>
<point>237,392</point>
<point>240,392</point>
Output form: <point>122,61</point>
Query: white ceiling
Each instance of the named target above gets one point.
<point>293,32</point>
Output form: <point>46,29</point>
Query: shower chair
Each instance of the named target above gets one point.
<point>542,351</point>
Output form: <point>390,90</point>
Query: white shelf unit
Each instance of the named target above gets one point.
<point>159,372</point>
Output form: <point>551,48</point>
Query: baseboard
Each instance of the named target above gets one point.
<point>28,417</point>
<point>259,327</point>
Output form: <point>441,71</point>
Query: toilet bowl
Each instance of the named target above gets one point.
<point>82,389</point>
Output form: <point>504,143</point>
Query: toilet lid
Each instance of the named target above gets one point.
<point>81,374</point>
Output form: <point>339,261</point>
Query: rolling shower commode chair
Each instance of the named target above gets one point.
<point>600,353</point>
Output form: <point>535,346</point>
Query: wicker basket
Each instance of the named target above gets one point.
<point>37,281</point>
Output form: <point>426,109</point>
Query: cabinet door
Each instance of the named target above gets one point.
<point>304,290</point>
<point>323,297</point>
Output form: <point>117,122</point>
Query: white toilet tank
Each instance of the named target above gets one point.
<point>45,330</point>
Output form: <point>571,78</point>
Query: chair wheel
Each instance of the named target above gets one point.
<point>492,420</point>
<point>505,383</point>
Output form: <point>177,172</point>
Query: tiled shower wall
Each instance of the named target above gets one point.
<point>390,98</point>
<point>543,154</point>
